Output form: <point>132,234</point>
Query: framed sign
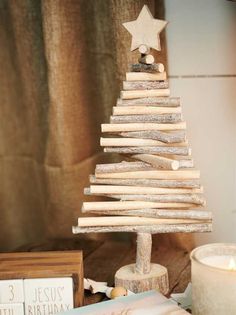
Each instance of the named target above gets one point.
<point>40,283</point>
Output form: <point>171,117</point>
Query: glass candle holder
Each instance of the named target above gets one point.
<point>214,279</point>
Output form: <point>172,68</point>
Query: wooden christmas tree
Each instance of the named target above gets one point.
<point>156,189</point>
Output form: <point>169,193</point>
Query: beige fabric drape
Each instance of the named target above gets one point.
<point>61,64</point>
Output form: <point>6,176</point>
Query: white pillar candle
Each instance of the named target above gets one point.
<point>214,279</point>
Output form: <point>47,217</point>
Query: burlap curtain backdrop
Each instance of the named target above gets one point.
<point>61,65</point>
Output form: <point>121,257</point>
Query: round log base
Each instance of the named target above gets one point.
<point>157,279</point>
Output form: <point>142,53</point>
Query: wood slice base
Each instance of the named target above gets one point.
<point>157,279</point>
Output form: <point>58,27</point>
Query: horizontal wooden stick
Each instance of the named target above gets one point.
<point>157,161</point>
<point>144,110</point>
<point>147,59</point>
<point>185,198</point>
<point>132,205</point>
<point>183,174</point>
<point>164,118</point>
<point>184,161</point>
<point>137,166</point>
<point>190,183</point>
<point>164,162</point>
<point>122,167</point>
<point>149,150</point>
<point>136,76</point>
<point>152,162</point>
<point>123,220</point>
<point>159,213</point>
<point>144,93</point>
<point>150,101</point>
<point>160,67</point>
<point>129,142</point>
<point>113,189</point>
<point>179,157</point>
<point>167,137</point>
<point>154,229</point>
<point>144,85</point>
<point>139,67</point>
<point>142,126</point>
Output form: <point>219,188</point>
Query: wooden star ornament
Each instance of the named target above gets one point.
<point>145,30</point>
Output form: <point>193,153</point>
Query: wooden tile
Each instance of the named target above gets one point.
<point>11,291</point>
<point>12,309</point>
<point>48,296</point>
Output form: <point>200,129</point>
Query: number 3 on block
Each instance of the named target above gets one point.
<point>11,291</point>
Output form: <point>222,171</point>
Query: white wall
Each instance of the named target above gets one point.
<point>201,39</point>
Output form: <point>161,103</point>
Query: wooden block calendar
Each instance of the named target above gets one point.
<point>40,283</point>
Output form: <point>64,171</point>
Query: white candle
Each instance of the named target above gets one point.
<point>214,279</point>
<point>222,262</point>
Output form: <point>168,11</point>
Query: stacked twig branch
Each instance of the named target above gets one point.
<point>157,178</point>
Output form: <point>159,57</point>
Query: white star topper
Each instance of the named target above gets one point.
<point>145,30</point>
